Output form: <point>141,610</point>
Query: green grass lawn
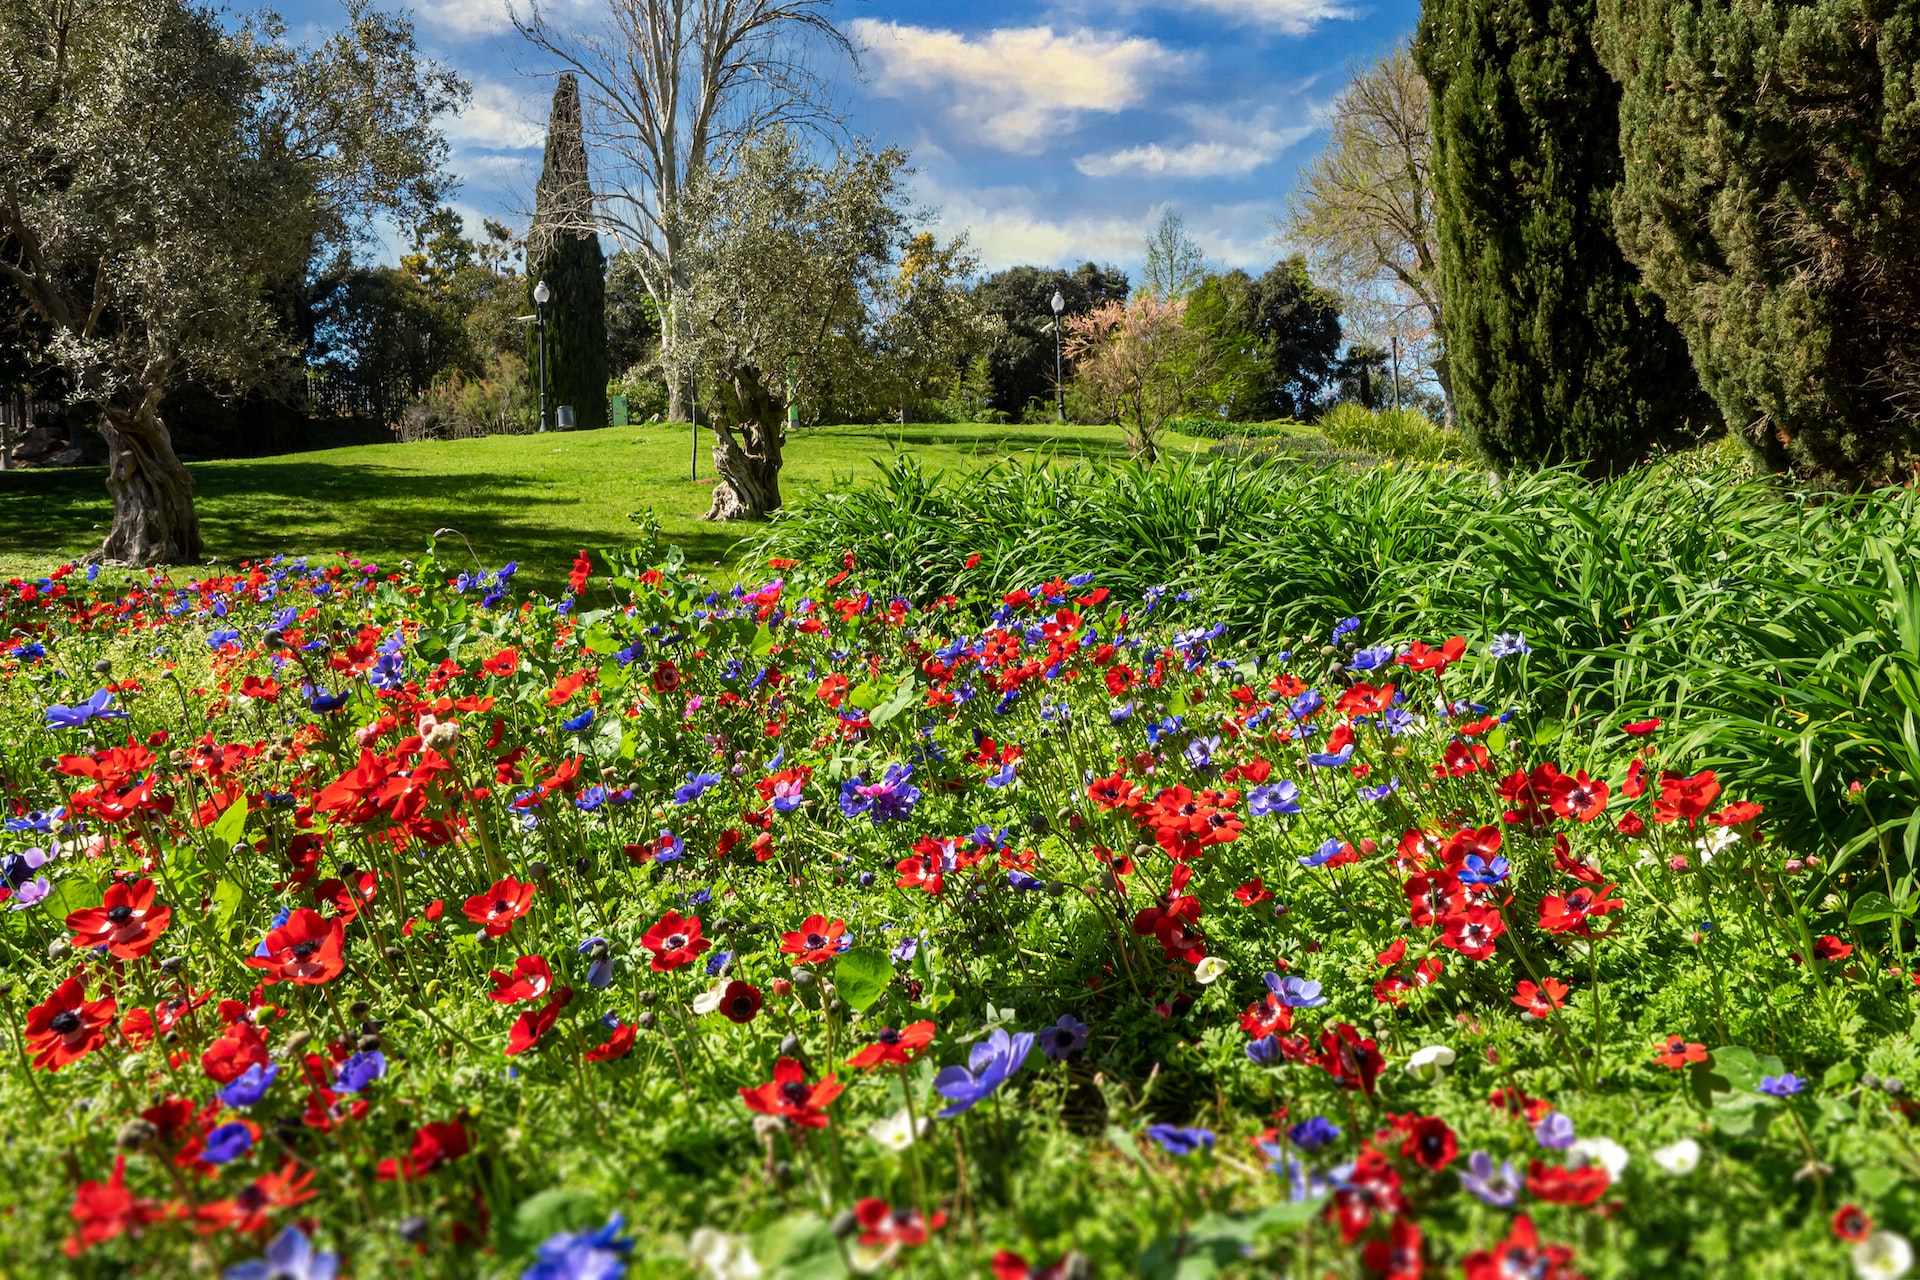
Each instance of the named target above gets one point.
<point>535,498</point>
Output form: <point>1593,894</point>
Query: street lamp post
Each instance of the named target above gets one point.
<point>1059,385</point>
<point>540,296</point>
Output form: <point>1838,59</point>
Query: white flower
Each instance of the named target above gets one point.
<point>1604,1152</point>
<point>708,1001</point>
<point>1430,1063</point>
<point>1679,1157</point>
<point>1883,1256</point>
<point>896,1132</point>
<point>721,1256</point>
<point>1714,841</point>
<point>1209,968</point>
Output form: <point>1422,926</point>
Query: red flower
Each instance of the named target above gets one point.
<point>66,1026</point>
<point>788,1094</point>
<point>127,924</point>
<point>1429,1142</point>
<point>1421,658</point>
<point>1521,1254</point>
<point>815,941</point>
<point>1636,784</point>
<point>1736,814</point>
<point>1372,1187</point>
<point>740,1002</point>
<point>1542,1000</point>
<point>103,1211</point>
<point>675,940</point>
<point>500,906</point>
<point>306,950</point>
<point>1398,1256</point>
<point>1266,1016</point>
<point>1570,913</point>
<point>1640,728</point>
<point>1556,1185</point>
<point>582,570</point>
<point>1829,948</point>
<point>616,1045</point>
<point>1682,797</point>
<point>1472,931</point>
<point>529,980</point>
<point>924,874</point>
<point>1008,1265</point>
<point>248,1210</point>
<point>666,677</point>
<point>503,663</point>
<point>1676,1053</point>
<point>1575,796</point>
<point>1353,1062</point>
<point>1630,824</point>
<point>240,1046</point>
<point>534,1023</point>
<point>1850,1222</point>
<point>433,1146</point>
<point>883,1225</point>
<point>1253,892</point>
<point>900,1047</point>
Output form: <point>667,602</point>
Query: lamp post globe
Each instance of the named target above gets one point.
<point>1059,305</point>
<point>541,295</point>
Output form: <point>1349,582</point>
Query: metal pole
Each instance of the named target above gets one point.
<point>1059,384</point>
<point>1396,368</point>
<point>693,427</point>
<point>541,307</point>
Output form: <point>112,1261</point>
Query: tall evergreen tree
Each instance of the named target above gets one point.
<point>563,248</point>
<point>1772,162</point>
<point>1557,352</point>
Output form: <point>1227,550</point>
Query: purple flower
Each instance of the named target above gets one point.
<point>600,972</point>
<point>1024,882</point>
<point>1376,794</point>
<point>1497,1187</point>
<point>695,786</point>
<point>1782,1086</point>
<point>989,1066</point>
<point>249,1086</point>
<point>890,799</point>
<point>1330,759</point>
<point>717,963</point>
<point>1178,1141</point>
<point>290,1257</point>
<point>1374,656</point>
<point>34,890</point>
<point>94,708</point>
<point>1319,857</point>
<point>359,1071</point>
<point>1555,1132</point>
<point>1295,992</point>
<point>1265,1051</point>
<point>582,1255</point>
<point>1313,1133</point>
<point>1305,705</point>
<point>1280,798</point>
<point>319,701</point>
<point>1199,753</point>
<point>1064,1038</point>
<point>228,1142</point>
<point>579,722</point>
<point>1509,645</point>
<point>1479,870</point>
<point>907,950</point>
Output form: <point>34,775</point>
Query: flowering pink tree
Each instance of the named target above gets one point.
<point>1140,363</point>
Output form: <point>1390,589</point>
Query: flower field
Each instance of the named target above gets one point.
<point>363,921</point>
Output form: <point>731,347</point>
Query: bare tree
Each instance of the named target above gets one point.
<point>675,89</point>
<point>1363,210</point>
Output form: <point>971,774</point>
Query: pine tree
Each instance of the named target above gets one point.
<point>1557,352</point>
<point>1772,162</point>
<point>564,250</point>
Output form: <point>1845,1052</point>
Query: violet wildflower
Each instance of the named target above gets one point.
<point>291,1256</point>
<point>1295,992</point>
<point>1782,1086</point>
<point>1313,1133</point>
<point>1497,1187</point>
<point>1064,1038</point>
<point>227,1142</point>
<point>359,1071</point>
<point>1278,798</point>
<point>1554,1132</point>
<point>1178,1141</point>
<point>582,1255</point>
<point>990,1064</point>
<point>249,1086</point>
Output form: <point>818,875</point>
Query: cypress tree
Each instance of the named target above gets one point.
<point>1558,353</point>
<point>563,250</point>
<point>1772,166</point>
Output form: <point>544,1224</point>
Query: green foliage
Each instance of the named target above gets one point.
<point>1772,158</point>
<point>385,336</point>
<point>1775,626</point>
<point>1296,326</point>
<point>1391,433</point>
<point>1020,350</point>
<point>564,251</point>
<point>1557,354</point>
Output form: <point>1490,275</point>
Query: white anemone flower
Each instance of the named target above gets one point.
<point>721,1256</point>
<point>897,1131</point>
<point>1430,1063</point>
<point>1208,970</point>
<point>1678,1157</point>
<point>708,1001</point>
<point>1604,1152</point>
<point>1883,1256</point>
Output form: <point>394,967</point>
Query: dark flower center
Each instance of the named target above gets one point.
<point>815,942</point>
<point>501,905</point>
<point>795,1092</point>
<point>120,914</point>
<point>676,941</point>
<point>305,949</point>
<point>888,1036</point>
<point>740,1004</point>
<point>65,1022</point>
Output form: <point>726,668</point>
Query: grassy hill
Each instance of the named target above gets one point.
<point>535,498</point>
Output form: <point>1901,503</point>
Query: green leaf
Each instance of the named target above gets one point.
<point>1875,1180</point>
<point>227,897</point>
<point>75,893</point>
<point>901,700</point>
<point>865,695</point>
<point>799,1247</point>
<point>608,736</point>
<point>227,829</point>
<point>1874,906</point>
<point>1497,740</point>
<point>1128,1146</point>
<point>762,641</point>
<point>861,975</point>
<point>547,1213</point>
<point>600,640</point>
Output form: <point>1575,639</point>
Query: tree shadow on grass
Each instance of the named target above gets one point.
<point>990,439</point>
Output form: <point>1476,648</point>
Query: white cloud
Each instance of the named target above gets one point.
<point>500,118</point>
<point>464,17</point>
<point>1294,17</point>
<point>1225,147</point>
<point>1016,87</point>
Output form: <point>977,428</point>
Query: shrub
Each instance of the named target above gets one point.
<point>1391,433</point>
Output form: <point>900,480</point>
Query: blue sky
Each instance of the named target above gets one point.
<point>1053,131</point>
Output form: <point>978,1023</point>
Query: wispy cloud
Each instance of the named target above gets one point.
<point>1224,146</point>
<point>501,117</point>
<point>1292,17</point>
<point>463,17</point>
<point>1016,88</point>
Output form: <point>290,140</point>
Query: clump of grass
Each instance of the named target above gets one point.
<point>1392,433</point>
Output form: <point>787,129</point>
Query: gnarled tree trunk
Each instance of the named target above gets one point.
<point>153,517</point>
<point>748,463</point>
